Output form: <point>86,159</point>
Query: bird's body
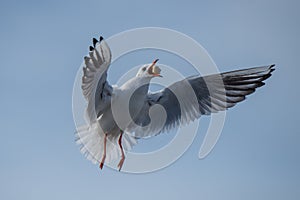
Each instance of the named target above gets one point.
<point>135,89</point>
<point>131,108</point>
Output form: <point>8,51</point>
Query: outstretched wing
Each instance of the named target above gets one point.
<point>186,100</point>
<point>95,87</point>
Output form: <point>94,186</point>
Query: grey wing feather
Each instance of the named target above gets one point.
<point>95,87</point>
<point>187,100</point>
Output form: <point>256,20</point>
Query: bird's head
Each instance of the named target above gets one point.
<point>149,70</point>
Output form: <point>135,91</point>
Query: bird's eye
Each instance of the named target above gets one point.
<point>144,68</point>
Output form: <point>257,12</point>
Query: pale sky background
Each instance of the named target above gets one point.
<point>42,47</point>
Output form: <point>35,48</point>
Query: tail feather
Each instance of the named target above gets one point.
<point>91,138</point>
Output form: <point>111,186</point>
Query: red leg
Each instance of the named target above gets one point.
<point>123,155</point>
<point>104,152</point>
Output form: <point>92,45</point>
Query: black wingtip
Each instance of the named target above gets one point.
<point>95,42</point>
<point>272,67</point>
<point>91,48</point>
<point>101,38</point>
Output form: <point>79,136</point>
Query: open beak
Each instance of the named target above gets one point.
<point>154,70</point>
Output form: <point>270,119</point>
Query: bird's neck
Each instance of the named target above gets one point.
<point>141,84</point>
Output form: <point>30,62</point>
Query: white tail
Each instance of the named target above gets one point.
<point>90,138</point>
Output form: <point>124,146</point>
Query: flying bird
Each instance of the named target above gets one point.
<point>111,130</point>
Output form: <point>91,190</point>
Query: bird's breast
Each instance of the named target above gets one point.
<point>126,105</point>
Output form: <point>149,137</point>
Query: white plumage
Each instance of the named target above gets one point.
<point>118,116</point>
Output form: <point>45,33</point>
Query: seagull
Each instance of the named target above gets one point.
<point>105,138</point>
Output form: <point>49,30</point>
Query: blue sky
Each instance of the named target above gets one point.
<point>42,46</point>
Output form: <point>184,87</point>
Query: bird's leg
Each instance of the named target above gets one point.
<point>123,155</point>
<point>104,152</point>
